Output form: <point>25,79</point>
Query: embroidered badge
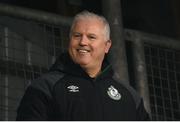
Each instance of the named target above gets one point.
<point>113,93</point>
<point>73,88</point>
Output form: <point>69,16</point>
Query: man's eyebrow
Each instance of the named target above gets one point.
<point>76,33</point>
<point>92,34</point>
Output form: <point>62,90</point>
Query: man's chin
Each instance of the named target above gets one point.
<point>83,64</point>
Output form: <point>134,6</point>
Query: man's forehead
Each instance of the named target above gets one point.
<point>91,26</point>
<point>88,29</point>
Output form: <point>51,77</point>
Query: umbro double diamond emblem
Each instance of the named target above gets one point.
<point>73,88</point>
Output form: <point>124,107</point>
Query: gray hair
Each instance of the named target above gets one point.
<point>90,15</point>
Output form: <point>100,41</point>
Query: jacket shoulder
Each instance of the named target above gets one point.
<point>46,82</point>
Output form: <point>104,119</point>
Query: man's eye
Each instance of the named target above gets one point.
<point>77,35</point>
<point>92,37</point>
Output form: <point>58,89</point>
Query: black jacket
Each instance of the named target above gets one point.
<point>66,92</point>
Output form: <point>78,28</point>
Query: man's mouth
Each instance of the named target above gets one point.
<point>83,50</point>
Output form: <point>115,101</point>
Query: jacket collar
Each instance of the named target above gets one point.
<point>66,65</point>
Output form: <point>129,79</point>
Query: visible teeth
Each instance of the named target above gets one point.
<point>83,51</point>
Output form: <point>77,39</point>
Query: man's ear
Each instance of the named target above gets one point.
<point>108,45</point>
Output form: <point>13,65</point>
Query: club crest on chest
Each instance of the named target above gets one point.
<point>113,93</point>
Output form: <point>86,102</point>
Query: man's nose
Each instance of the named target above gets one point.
<point>83,41</point>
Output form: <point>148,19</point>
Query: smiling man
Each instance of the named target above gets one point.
<point>88,43</point>
<point>81,84</point>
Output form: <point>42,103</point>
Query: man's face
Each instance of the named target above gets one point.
<point>88,44</point>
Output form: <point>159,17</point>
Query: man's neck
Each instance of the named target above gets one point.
<point>93,73</point>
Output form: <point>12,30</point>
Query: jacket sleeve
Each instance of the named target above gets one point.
<point>142,114</point>
<point>35,105</point>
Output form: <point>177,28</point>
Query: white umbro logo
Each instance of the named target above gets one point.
<point>73,88</point>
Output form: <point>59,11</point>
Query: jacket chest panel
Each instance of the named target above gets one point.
<point>119,102</point>
<point>80,99</point>
<point>85,99</point>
